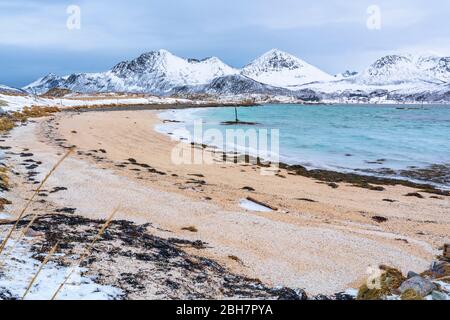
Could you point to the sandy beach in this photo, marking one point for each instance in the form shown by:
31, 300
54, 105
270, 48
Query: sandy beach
320, 238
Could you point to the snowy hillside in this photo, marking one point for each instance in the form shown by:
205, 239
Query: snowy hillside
155, 72
233, 84
400, 69
162, 71
280, 69
6, 89
44, 84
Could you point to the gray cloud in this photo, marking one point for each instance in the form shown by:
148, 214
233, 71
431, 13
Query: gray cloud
330, 34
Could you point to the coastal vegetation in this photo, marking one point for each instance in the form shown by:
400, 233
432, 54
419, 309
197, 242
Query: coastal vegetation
9, 120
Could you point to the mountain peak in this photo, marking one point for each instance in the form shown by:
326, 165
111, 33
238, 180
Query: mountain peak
282, 69
157, 53
406, 68
390, 60
277, 59
51, 75
275, 51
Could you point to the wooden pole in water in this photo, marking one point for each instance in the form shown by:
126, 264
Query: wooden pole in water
236, 114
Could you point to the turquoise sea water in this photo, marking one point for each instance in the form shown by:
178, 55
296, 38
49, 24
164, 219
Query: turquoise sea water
363, 138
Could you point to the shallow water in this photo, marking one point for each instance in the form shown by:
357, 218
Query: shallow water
383, 140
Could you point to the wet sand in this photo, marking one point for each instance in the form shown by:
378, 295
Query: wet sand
321, 238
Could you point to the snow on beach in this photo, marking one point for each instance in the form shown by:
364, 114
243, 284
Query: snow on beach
253, 206
20, 267
11, 103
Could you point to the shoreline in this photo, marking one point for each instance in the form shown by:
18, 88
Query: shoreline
322, 174
183, 200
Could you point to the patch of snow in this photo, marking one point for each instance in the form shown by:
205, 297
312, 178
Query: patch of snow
253, 206
18, 102
20, 267
351, 292
4, 216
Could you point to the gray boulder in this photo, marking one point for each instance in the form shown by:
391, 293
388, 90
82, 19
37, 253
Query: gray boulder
422, 286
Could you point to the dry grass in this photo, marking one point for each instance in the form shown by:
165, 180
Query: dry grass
6, 124
410, 294
22, 213
34, 112
4, 178
390, 281
365, 293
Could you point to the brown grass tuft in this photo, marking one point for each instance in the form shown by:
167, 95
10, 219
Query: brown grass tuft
364, 293
410, 294
34, 112
6, 124
390, 281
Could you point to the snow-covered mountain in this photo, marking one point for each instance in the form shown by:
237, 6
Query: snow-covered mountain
400, 69
393, 78
44, 84
235, 84
281, 69
163, 71
436, 67
155, 72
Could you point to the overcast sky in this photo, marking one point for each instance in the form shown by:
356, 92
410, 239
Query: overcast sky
331, 34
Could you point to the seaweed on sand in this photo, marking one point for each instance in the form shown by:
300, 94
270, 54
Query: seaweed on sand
368, 182
129, 257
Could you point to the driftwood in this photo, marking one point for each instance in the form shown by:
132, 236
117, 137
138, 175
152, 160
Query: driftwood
262, 203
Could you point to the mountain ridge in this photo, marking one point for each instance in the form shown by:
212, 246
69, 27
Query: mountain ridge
274, 73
